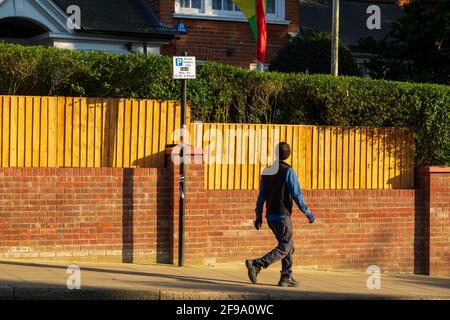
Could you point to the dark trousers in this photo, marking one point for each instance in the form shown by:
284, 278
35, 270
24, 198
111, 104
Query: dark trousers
284, 250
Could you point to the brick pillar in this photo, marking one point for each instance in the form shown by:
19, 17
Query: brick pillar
435, 184
195, 198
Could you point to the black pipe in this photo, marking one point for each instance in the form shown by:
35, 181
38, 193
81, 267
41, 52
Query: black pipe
182, 176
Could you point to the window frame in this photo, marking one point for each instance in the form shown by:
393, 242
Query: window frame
206, 11
190, 10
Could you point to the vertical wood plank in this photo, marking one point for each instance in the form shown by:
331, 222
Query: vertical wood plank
238, 157
345, 158
120, 133
392, 140
134, 128
369, 158
410, 160
43, 156
162, 133
91, 133
218, 156
113, 123
208, 154
171, 123
6, 129
98, 133
68, 134
250, 153
363, 170
351, 158
127, 134
308, 157
321, 162
76, 132
141, 135
386, 159
257, 157
84, 132
333, 173
36, 122
212, 157
155, 137
357, 163
53, 132
149, 133
315, 158
224, 158
339, 157
21, 133
106, 133
327, 158
376, 158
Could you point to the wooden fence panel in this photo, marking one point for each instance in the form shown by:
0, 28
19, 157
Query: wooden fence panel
92, 132
323, 157
85, 132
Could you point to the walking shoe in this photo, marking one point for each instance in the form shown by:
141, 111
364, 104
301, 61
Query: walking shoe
252, 270
288, 282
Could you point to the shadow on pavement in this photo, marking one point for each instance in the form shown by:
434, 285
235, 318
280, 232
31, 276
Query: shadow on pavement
184, 287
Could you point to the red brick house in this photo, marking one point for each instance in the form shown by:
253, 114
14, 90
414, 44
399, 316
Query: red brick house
218, 31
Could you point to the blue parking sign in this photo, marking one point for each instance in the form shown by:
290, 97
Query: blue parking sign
179, 62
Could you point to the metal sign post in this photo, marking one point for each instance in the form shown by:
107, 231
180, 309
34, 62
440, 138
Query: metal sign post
183, 68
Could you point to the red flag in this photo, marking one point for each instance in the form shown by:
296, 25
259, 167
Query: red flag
262, 31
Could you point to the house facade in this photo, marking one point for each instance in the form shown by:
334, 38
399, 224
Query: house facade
118, 26
217, 31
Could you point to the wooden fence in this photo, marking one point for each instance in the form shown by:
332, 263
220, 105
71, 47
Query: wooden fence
84, 132
323, 157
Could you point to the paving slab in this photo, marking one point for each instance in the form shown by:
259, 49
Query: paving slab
47, 280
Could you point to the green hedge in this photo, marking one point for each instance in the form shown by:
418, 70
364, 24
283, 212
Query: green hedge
227, 94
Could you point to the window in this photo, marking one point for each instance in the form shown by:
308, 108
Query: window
226, 9
192, 4
271, 7
224, 5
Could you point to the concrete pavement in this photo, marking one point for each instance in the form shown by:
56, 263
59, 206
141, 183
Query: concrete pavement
47, 280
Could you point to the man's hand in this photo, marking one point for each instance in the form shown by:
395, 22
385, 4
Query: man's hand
311, 217
258, 223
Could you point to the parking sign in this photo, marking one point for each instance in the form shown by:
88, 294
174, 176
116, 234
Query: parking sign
184, 68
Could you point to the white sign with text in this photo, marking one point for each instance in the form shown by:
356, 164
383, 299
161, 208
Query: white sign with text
184, 68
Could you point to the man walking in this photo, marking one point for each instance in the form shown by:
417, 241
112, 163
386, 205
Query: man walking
279, 191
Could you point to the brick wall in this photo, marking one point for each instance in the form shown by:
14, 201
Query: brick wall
222, 41
107, 214
435, 183
131, 215
354, 229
